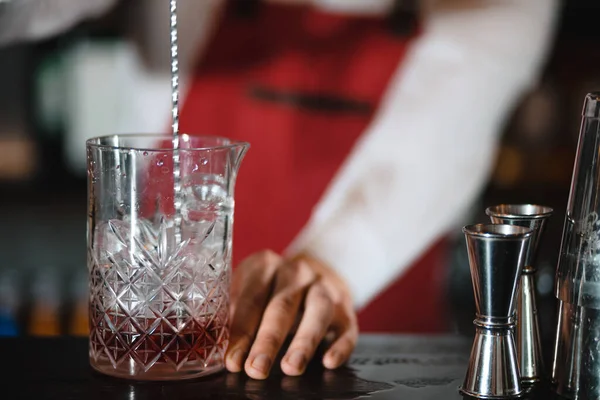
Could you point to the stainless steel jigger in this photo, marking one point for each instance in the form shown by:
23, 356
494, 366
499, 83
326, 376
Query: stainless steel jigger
496, 257
529, 346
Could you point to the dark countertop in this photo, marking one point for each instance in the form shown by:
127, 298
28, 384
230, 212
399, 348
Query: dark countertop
382, 367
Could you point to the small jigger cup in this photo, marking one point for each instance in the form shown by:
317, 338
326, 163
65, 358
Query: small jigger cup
496, 257
529, 346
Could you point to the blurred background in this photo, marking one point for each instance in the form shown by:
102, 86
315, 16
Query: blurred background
42, 175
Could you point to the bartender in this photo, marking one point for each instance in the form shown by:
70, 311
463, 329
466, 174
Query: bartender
373, 127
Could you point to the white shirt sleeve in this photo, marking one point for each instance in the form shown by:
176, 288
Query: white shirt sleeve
23, 20
430, 149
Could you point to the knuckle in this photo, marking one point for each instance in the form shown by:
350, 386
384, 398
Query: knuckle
267, 256
349, 327
321, 295
256, 301
243, 338
307, 341
286, 304
301, 271
350, 339
346, 312
270, 340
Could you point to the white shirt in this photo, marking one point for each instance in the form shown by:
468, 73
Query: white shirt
429, 151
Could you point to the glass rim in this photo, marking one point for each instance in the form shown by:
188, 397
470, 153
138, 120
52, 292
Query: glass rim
231, 143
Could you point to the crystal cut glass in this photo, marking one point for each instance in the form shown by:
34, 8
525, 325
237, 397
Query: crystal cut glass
159, 254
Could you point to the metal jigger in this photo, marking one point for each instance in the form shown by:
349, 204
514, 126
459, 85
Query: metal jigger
496, 257
529, 346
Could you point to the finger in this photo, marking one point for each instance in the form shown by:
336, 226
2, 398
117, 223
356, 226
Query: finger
291, 284
237, 283
259, 273
246, 268
318, 314
344, 341
237, 280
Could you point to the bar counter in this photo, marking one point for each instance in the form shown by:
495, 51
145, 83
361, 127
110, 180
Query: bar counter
382, 367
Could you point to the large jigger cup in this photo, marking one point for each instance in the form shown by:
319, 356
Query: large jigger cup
496, 258
529, 346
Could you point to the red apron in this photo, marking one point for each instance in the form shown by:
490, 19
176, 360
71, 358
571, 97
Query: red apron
301, 86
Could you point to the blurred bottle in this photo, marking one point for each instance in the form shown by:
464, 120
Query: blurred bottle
18, 150
9, 302
45, 316
531, 151
78, 319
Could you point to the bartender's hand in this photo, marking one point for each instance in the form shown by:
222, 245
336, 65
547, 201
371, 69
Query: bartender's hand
270, 297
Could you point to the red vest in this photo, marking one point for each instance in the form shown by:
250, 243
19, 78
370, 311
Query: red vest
301, 86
